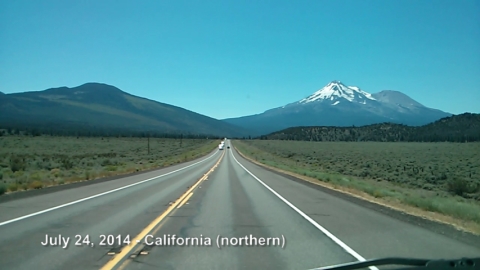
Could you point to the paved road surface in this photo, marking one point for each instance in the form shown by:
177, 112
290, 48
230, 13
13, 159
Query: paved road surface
222, 195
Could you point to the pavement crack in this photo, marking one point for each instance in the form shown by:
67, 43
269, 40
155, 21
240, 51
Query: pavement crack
251, 226
322, 215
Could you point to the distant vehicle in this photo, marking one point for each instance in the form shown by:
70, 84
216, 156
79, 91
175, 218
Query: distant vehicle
228, 147
220, 146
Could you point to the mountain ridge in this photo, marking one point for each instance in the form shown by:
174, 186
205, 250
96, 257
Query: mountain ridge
339, 105
387, 95
100, 106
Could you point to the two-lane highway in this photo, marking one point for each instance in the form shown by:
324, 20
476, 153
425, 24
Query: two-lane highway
118, 207
219, 212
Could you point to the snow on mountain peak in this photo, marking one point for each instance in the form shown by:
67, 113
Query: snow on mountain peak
336, 91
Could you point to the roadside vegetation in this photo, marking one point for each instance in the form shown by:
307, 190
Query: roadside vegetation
441, 178
33, 162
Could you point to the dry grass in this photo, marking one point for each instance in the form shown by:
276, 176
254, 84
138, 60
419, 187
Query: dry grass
37, 162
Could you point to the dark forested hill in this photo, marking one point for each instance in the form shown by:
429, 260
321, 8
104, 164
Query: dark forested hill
95, 107
458, 128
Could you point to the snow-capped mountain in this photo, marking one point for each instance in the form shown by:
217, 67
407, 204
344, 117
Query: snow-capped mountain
337, 104
336, 92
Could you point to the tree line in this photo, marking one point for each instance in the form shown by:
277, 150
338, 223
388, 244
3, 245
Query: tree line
457, 128
98, 132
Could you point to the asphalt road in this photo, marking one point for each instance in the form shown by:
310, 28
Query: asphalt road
221, 197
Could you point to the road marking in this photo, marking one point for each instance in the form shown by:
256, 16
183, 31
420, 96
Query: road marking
309, 219
186, 199
101, 194
137, 240
140, 247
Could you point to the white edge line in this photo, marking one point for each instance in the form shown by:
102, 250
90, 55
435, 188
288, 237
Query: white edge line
101, 194
313, 222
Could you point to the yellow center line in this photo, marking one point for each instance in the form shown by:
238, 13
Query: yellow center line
138, 239
140, 247
186, 200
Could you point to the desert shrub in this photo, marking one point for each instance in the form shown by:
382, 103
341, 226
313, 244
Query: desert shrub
67, 163
13, 187
460, 186
35, 176
56, 172
106, 162
111, 168
17, 164
36, 185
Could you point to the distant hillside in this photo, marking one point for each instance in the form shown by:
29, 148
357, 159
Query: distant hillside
94, 106
458, 128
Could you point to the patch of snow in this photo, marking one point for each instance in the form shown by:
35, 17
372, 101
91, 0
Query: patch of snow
336, 102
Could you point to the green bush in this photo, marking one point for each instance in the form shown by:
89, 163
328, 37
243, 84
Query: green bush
67, 163
459, 186
106, 162
111, 168
17, 164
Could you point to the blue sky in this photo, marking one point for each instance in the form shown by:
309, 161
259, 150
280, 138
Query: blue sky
234, 58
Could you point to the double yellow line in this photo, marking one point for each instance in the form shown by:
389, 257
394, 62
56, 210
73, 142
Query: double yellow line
177, 204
